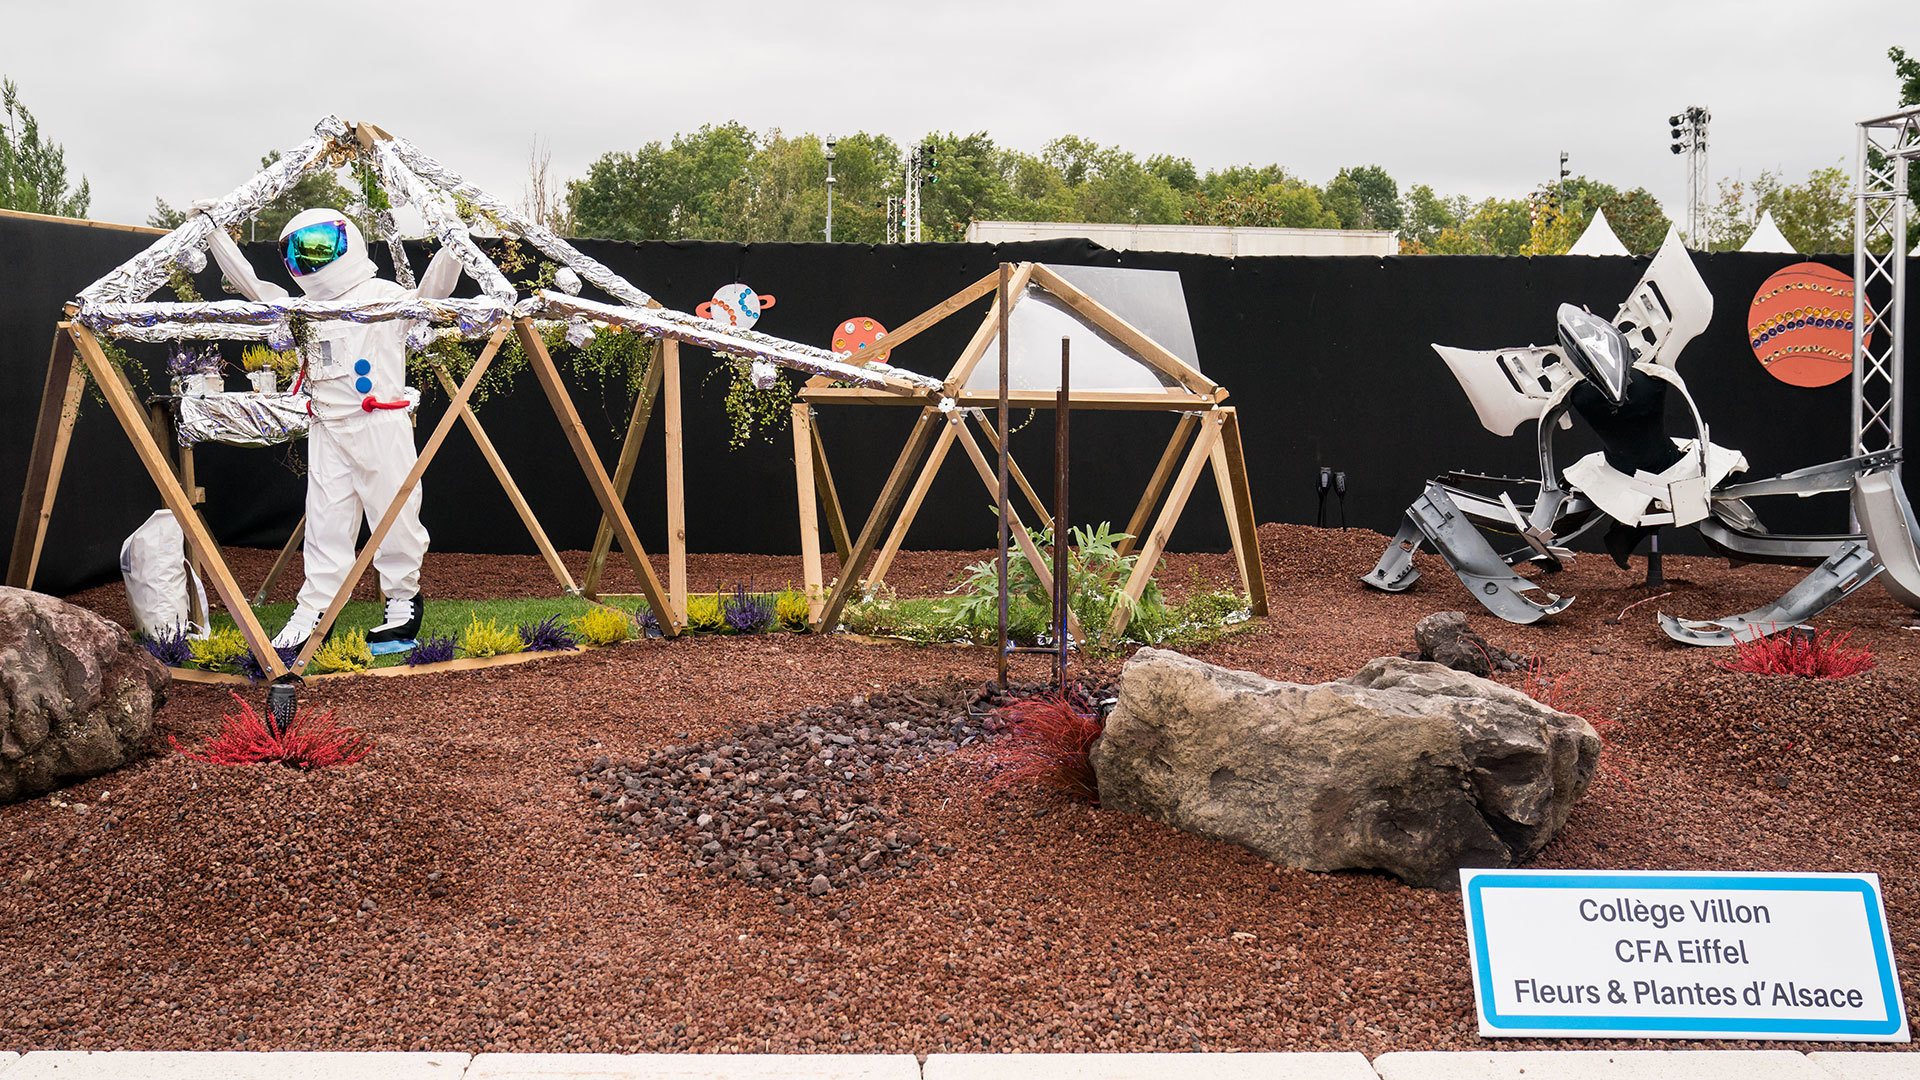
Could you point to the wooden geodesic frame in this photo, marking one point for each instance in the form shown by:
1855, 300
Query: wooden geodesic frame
1207, 436
118, 306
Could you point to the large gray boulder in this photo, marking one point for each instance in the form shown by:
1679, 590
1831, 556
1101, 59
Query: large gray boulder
1408, 767
77, 694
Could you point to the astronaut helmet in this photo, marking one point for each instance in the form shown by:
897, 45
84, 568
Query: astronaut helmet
323, 250
1596, 349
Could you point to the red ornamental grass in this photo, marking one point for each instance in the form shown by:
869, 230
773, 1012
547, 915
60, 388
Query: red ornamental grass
1822, 655
310, 741
1561, 692
1045, 746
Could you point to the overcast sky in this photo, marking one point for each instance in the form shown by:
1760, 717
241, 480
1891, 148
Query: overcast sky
180, 99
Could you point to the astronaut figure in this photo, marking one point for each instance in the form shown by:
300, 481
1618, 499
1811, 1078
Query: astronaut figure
360, 446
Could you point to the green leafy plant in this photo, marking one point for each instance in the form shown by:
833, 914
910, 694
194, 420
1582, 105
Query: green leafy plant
1096, 576
705, 613
603, 626
489, 638
219, 649
343, 652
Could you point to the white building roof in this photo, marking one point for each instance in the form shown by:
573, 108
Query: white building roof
1193, 239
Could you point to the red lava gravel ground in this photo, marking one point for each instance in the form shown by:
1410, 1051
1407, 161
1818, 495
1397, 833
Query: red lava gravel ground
460, 890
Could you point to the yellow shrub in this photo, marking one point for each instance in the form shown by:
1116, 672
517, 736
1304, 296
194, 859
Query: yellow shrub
489, 638
219, 649
705, 613
342, 652
603, 626
261, 358
791, 611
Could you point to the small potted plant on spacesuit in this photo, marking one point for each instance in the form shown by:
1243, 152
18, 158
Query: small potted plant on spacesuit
360, 445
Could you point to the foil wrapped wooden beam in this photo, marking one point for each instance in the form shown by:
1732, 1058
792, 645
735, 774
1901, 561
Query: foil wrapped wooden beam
243, 419
138, 277
727, 340
472, 316
443, 217
549, 244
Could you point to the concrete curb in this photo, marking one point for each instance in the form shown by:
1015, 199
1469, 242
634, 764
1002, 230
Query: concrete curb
1402, 1065
692, 1067
1597, 1064
1347, 1066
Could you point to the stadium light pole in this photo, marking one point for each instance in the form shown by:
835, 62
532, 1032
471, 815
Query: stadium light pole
830, 144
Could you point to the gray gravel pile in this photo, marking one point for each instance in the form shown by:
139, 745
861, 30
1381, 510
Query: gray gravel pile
791, 804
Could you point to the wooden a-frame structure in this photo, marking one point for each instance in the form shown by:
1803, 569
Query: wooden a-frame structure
118, 305
1207, 436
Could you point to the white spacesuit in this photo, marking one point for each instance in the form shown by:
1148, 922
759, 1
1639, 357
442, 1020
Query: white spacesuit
360, 446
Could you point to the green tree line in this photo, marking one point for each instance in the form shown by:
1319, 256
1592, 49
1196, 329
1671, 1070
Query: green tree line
729, 182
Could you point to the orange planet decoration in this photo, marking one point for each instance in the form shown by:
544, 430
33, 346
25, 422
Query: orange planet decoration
860, 336
1801, 325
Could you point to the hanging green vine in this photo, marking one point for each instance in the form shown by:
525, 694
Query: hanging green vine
753, 412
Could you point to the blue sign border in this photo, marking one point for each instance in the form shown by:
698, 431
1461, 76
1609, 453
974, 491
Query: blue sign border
1876, 925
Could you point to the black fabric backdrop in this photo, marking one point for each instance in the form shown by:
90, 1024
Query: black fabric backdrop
1327, 360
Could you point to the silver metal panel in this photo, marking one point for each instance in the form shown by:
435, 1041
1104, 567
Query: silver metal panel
1034, 331
1151, 301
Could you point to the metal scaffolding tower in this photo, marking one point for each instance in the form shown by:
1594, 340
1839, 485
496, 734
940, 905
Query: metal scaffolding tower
1690, 138
1882, 209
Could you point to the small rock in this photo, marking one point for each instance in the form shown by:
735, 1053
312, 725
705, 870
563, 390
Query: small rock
819, 885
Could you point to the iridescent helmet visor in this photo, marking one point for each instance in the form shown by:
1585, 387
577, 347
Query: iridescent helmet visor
308, 249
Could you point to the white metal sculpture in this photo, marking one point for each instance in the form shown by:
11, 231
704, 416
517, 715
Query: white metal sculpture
1616, 374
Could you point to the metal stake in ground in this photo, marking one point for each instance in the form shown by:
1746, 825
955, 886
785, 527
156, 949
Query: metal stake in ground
1003, 507
1062, 534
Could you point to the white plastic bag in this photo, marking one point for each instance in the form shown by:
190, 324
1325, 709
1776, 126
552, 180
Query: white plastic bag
153, 562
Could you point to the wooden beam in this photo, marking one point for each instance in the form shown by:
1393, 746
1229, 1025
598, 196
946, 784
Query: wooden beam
596, 473
200, 545
1223, 484
1042, 567
281, 562
60, 399
1242, 510
27, 215
884, 509
809, 501
669, 360
392, 513
1149, 350
940, 311
921, 484
514, 496
1013, 469
989, 330
1156, 542
1157, 483
829, 496
623, 472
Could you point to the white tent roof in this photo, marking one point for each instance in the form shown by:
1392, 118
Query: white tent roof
1767, 237
1599, 239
